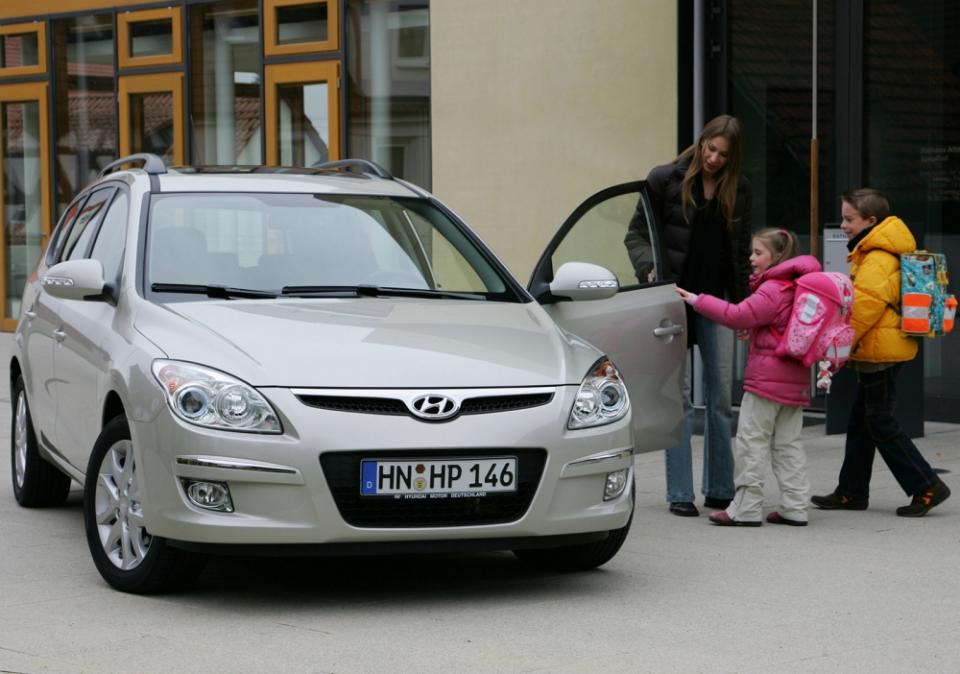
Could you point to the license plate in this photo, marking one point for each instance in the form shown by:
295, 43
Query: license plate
438, 478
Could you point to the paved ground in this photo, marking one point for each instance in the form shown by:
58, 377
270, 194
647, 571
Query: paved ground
853, 592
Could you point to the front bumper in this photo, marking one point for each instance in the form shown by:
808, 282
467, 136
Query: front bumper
282, 497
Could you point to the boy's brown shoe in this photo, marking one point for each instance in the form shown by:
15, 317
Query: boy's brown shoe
925, 500
837, 501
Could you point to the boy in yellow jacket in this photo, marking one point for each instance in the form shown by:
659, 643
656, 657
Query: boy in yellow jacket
880, 348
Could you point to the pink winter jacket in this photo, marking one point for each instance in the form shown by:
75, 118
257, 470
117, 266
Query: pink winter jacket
765, 313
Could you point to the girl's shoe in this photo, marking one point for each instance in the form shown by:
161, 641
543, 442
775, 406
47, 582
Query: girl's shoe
721, 518
777, 518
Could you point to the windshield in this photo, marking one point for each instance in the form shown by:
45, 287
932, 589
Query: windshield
303, 244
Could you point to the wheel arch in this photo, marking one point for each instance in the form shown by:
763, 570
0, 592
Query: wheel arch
112, 407
15, 371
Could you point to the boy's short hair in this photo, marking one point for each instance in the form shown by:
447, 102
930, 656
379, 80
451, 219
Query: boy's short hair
869, 203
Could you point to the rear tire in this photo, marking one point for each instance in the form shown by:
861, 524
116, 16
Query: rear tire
127, 556
582, 557
36, 482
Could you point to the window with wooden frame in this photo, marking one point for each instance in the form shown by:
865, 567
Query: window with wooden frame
24, 190
151, 115
300, 26
23, 49
151, 37
302, 121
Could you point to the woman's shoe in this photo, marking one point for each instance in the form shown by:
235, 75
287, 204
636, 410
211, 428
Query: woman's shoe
721, 518
684, 509
777, 518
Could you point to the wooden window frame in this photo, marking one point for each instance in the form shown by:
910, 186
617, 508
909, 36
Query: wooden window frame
152, 84
270, 44
126, 60
27, 93
301, 73
38, 27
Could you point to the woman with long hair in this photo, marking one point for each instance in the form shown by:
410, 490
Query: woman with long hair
702, 204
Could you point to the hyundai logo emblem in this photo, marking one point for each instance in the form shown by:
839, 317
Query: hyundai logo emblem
434, 407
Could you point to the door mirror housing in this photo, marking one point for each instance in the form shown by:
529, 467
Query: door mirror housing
75, 280
584, 281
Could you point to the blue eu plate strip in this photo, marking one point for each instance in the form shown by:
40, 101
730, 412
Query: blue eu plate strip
368, 477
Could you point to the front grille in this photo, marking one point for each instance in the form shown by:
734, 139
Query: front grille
342, 472
506, 403
351, 404
394, 406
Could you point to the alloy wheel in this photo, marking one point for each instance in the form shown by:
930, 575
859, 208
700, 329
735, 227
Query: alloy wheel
20, 440
119, 514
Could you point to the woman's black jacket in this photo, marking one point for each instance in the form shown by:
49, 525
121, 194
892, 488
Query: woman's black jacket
674, 229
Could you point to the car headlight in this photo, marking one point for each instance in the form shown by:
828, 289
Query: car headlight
602, 398
207, 397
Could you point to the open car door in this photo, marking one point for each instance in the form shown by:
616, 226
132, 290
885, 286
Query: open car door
642, 328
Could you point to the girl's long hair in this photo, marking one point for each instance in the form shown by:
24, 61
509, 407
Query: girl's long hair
726, 190
782, 243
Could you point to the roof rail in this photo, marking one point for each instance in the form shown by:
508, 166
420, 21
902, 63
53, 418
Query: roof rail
357, 166
151, 163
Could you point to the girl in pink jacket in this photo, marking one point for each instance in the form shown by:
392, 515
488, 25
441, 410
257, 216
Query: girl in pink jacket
776, 388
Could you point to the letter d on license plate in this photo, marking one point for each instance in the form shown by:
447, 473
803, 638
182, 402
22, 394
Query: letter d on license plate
453, 477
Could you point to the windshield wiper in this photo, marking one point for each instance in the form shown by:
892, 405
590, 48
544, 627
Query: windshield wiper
320, 291
214, 291
374, 291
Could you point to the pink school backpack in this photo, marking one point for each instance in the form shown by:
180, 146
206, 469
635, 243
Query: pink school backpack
819, 327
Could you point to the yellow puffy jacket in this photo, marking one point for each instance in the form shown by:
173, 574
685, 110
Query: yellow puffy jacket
875, 272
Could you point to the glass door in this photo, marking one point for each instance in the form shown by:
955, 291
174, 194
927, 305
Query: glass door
25, 193
151, 115
303, 113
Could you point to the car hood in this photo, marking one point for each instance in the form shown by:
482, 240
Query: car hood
370, 342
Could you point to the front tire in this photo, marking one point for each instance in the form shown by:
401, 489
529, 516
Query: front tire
127, 556
36, 483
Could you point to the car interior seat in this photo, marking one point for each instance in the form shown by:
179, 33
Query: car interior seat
178, 255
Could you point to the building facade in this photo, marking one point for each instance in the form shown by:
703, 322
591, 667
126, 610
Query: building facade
511, 112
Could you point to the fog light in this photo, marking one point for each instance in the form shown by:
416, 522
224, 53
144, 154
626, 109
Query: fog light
210, 495
616, 483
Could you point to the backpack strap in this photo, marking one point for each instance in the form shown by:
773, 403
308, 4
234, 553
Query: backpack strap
784, 284
895, 307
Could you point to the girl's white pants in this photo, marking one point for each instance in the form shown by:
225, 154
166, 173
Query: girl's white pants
766, 428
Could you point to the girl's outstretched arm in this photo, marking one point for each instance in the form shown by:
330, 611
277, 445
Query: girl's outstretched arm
686, 295
758, 309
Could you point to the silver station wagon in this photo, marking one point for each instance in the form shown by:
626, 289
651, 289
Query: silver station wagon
328, 361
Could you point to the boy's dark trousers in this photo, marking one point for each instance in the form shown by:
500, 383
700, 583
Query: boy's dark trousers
872, 426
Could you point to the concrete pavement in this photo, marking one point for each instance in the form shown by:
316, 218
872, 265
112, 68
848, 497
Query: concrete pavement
853, 592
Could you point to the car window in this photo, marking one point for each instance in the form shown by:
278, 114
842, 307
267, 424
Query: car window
272, 241
62, 232
617, 233
81, 234
108, 247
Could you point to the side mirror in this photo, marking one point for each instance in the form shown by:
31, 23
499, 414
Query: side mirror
584, 281
75, 280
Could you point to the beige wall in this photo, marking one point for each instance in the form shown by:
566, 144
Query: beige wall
537, 104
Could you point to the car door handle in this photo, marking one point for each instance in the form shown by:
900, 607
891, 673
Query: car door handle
59, 335
668, 330
30, 313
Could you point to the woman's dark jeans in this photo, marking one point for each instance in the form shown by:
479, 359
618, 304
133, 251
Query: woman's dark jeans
872, 426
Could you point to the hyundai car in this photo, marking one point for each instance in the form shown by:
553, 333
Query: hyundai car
327, 360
